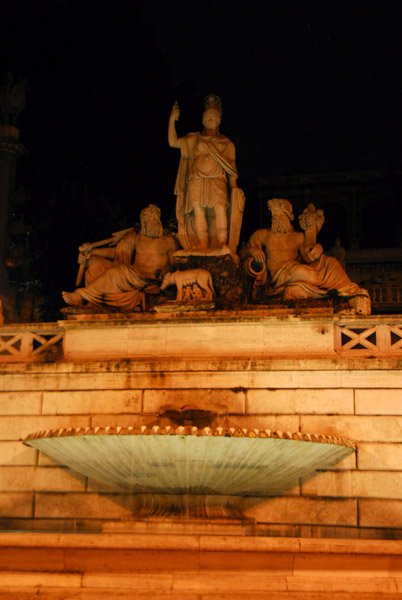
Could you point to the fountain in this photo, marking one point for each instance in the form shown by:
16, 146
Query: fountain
188, 466
185, 472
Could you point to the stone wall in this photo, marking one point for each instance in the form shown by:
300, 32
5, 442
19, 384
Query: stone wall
46, 566
358, 398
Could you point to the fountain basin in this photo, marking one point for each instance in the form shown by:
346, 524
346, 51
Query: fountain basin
193, 461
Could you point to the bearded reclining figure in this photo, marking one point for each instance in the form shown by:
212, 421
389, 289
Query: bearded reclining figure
297, 265
132, 266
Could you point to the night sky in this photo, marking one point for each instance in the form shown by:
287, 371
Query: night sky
306, 87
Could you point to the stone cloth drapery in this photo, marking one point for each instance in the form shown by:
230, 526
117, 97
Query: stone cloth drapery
323, 275
298, 280
205, 164
117, 282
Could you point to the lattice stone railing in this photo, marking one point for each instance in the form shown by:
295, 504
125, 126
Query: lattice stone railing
371, 338
36, 343
364, 336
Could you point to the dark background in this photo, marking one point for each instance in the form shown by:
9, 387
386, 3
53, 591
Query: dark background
306, 87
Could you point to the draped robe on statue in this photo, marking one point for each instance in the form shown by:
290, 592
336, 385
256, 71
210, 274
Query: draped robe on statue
297, 280
205, 164
118, 282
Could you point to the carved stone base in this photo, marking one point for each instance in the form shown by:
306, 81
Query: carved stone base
328, 305
228, 278
183, 255
165, 526
97, 313
186, 514
179, 307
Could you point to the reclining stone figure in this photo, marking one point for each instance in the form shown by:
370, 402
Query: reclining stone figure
132, 266
296, 264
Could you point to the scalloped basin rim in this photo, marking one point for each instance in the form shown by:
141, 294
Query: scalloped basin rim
188, 430
192, 461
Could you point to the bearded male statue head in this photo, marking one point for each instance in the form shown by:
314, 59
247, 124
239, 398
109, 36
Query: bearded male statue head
151, 225
282, 215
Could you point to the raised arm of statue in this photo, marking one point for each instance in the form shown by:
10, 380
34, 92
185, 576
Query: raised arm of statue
311, 221
172, 135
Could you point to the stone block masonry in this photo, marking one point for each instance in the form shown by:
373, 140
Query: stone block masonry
354, 396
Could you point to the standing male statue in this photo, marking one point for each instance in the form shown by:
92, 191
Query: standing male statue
296, 264
206, 218
132, 265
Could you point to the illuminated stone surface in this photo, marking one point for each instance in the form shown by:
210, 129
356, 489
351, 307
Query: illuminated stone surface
289, 373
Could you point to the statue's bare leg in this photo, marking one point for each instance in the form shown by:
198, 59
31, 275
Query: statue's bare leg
201, 226
72, 298
221, 224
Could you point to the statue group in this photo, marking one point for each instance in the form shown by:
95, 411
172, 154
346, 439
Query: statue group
132, 269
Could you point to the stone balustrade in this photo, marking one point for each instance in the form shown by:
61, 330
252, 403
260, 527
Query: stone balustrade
29, 342
243, 334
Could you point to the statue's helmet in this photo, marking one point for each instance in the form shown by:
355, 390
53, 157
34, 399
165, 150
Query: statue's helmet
213, 101
213, 106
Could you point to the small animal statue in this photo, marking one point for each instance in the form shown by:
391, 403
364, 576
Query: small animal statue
181, 279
